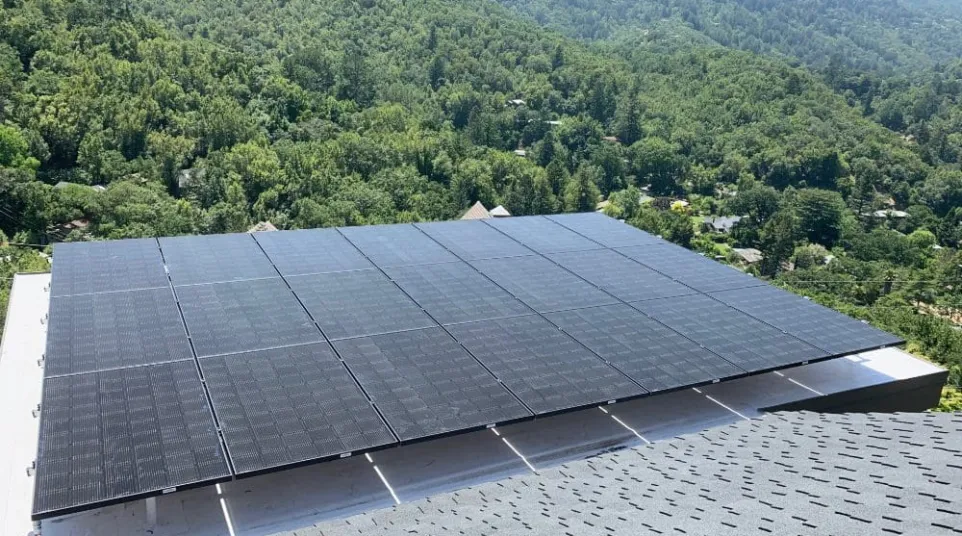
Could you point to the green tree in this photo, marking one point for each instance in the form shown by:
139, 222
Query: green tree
656, 162
581, 193
820, 215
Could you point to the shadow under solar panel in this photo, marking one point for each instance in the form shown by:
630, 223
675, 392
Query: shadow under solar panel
311, 251
425, 384
87, 267
290, 405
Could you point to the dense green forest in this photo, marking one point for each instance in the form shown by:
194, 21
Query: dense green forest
121, 119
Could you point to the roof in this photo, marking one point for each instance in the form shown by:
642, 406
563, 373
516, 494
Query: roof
749, 255
798, 473
261, 227
722, 224
500, 212
476, 212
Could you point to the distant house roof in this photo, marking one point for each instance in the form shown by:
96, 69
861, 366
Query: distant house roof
476, 212
881, 214
610, 139
783, 473
186, 176
553, 123
261, 227
721, 224
64, 184
516, 102
500, 212
898, 214
520, 152
749, 255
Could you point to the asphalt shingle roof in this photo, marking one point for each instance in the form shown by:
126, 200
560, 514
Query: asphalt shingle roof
786, 473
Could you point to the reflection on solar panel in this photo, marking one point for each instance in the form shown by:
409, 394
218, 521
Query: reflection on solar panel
819, 326
122, 433
473, 240
362, 302
690, 268
85, 267
542, 234
606, 231
216, 258
287, 405
455, 292
397, 245
93, 332
541, 284
311, 251
425, 384
548, 370
620, 276
744, 341
224, 318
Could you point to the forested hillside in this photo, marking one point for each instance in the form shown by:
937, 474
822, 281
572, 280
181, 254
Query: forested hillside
164, 117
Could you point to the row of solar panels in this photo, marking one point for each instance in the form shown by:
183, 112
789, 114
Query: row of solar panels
319, 343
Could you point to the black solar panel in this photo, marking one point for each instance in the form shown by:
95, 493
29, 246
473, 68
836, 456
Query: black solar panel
311, 251
397, 245
215, 258
541, 284
456, 292
650, 353
93, 332
548, 370
542, 234
819, 326
288, 405
225, 318
473, 240
744, 341
620, 276
122, 433
690, 268
606, 231
85, 267
425, 384
361, 302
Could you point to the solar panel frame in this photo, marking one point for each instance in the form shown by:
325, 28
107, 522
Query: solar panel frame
116, 435
193, 260
689, 268
357, 303
289, 406
311, 251
239, 316
620, 276
426, 385
396, 245
91, 332
606, 231
473, 240
541, 234
109, 266
547, 369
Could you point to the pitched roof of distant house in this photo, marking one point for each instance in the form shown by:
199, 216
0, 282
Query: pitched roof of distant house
500, 212
264, 226
722, 224
476, 212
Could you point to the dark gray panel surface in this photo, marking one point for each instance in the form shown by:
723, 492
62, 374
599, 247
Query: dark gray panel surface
744, 341
473, 240
214, 258
819, 326
648, 352
620, 276
84, 267
548, 370
396, 245
311, 251
93, 332
541, 284
361, 302
542, 234
124, 432
455, 292
608, 232
288, 405
690, 268
225, 318
425, 384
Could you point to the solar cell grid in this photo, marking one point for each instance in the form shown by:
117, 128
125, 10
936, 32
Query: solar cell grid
455, 292
396, 245
86, 267
541, 284
541, 234
742, 340
311, 251
225, 318
362, 302
124, 432
93, 332
619, 276
425, 384
288, 405
690, 268
214, 258
548, 370
819, 326
473, 240
608, 232
648, 352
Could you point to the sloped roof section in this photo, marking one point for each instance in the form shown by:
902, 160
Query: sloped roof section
476, 212
786, 473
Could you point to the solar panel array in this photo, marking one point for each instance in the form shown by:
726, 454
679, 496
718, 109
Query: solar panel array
185, 361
